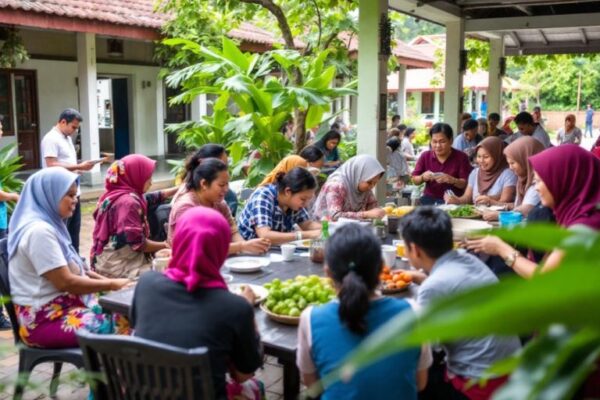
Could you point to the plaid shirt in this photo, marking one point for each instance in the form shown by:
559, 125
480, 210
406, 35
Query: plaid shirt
263, 209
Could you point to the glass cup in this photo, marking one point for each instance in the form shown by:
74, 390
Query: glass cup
399, 247
287, 251
389, 255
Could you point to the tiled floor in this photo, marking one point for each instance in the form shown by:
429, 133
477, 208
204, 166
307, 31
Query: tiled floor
271, 375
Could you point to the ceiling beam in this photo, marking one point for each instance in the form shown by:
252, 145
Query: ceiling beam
572, 47
515, 38
544, 38
509, 3
436, 11
533, 22
524, 9
584, 38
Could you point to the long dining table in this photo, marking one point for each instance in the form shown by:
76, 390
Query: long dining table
279, 340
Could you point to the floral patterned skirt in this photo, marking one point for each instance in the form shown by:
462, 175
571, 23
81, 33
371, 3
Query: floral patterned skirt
54, 325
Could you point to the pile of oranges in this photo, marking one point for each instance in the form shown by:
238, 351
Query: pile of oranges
392, 281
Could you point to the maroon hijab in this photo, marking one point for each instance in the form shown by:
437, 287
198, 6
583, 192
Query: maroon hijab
200, 247
125, 177
572, 176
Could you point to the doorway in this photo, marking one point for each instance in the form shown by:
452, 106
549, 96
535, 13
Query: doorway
114, 120
19, 107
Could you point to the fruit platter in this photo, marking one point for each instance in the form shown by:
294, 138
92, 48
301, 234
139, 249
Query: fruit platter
394, 281
288, 298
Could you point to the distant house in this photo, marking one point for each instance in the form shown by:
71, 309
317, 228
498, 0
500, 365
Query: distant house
96, 56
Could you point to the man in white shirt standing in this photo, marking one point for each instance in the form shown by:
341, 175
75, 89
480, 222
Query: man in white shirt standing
58, 151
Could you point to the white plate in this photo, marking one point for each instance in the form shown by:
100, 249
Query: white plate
260, 292
302, 244
246, 264
462, 227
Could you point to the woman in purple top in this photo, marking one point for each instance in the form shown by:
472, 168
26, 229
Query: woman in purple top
442, 168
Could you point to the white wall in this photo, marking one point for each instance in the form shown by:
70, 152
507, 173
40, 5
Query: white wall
57, 90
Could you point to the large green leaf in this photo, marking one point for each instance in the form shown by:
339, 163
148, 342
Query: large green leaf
314, 116
323, 81
233, 54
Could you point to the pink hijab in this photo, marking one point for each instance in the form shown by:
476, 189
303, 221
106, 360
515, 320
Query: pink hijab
200, 247
572, 176
125, 177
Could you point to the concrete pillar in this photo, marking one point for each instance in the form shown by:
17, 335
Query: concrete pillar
478, 98
453, 97
198, 107
436, 105
418, 102
494, 93
401, 91
372, 85
87, 81
346, 113
161, 136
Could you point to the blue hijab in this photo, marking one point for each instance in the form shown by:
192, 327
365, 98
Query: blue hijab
39, 201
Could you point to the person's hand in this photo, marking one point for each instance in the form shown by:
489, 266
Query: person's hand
427, 176
311, 234
120, 283
444, 178
483, 200
249, 295
490, 245
86, 165
450, 199
375, 213
490, 215
256, 246
13, 197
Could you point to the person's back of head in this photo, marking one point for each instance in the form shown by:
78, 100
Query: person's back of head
395, 132
465, 116
353, 259
393, 143
207, 151
494, 117
470, 124
430, 229
524, 118
296, 180
206, 171
312, 153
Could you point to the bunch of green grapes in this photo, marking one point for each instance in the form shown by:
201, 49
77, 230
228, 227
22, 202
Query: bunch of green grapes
291, 296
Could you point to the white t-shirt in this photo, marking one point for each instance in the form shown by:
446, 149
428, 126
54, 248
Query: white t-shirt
407, 148
532, 197
55, 144
507, 178
38, 252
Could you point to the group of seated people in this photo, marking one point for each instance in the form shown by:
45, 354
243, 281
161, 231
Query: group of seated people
55, 291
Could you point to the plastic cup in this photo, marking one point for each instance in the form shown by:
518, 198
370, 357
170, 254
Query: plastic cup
160, 263
287, 251
509, 218
399, 247
389, 255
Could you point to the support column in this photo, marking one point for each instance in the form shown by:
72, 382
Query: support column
87, 81
453, 97
401, 91
494, 93
372, 85
346, 112
161, 136
436, 106
198, 107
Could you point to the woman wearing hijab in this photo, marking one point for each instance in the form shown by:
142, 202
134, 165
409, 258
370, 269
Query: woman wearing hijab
348, 191
517, 155
192, 289
566, 179
285, 166
49, 281
328, 145
121, 245
492, 183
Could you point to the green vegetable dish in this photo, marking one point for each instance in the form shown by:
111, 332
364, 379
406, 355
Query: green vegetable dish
463, 212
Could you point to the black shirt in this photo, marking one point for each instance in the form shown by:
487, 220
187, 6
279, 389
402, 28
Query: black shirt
164, 311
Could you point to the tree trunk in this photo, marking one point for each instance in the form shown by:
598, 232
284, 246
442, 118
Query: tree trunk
299, 130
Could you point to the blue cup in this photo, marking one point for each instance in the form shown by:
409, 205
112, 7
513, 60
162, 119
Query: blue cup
510, 218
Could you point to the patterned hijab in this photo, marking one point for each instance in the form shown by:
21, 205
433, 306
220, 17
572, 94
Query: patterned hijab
39, 201
572, 175
486, 179
200, 247
285, 166
520, 150
358, 169
125, 177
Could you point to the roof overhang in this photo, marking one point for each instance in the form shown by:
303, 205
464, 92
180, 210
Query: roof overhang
45, 21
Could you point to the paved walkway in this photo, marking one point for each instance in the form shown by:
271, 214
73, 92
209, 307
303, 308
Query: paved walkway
271, 374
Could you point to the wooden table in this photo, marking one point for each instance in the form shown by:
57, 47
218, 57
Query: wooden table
278, 340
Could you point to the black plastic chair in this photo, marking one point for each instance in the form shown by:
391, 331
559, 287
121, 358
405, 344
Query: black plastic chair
127, 367
30, 357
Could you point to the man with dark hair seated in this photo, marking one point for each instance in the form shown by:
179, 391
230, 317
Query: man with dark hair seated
528, 127
427, 234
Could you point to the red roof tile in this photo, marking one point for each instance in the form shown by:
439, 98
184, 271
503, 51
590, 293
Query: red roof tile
252, 33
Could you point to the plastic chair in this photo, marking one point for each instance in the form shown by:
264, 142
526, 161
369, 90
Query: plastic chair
136, 368
30, 357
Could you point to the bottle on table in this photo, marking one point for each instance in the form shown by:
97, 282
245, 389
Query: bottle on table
317, 246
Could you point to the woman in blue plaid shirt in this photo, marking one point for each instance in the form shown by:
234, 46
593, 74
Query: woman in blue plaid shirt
273, 210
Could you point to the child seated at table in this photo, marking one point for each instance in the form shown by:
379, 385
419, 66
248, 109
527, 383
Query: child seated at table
328, 333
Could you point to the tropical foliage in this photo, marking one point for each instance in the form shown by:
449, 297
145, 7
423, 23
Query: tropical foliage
251, 103
9, 165
558, 307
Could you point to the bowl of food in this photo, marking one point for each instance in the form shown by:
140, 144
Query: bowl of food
463, 228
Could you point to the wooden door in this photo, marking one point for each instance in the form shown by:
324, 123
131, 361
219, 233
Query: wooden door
26, 118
